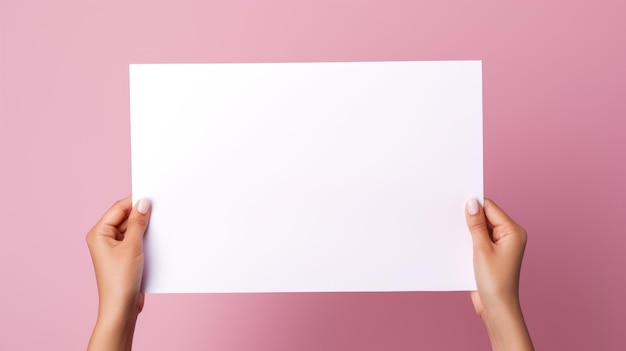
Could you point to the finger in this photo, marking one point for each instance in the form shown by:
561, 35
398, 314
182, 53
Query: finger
496, 216
123, 226
115, 215
138, 220
503, 225
477, 223
106, 231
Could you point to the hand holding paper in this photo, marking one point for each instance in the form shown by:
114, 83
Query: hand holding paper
116, 248
499, 245
498, 250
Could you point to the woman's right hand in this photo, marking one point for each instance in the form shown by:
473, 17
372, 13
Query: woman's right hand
498, 245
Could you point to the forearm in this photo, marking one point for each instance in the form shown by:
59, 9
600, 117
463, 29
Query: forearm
113, 331
506, 327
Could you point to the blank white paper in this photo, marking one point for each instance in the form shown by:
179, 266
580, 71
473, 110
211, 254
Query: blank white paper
307, 177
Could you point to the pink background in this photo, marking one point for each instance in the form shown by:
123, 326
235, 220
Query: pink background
555, 135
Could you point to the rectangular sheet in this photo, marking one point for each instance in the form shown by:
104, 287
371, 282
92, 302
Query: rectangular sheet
288, 177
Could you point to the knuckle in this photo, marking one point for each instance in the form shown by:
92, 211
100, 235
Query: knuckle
107, 231
477, 225
522, 234
91, 236
121, 204
137, 221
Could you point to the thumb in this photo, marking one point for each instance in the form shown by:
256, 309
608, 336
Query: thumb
477, 223
138, 220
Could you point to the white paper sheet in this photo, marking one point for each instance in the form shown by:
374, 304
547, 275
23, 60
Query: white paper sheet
287, 177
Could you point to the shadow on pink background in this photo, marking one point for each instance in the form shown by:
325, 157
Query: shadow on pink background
555, 135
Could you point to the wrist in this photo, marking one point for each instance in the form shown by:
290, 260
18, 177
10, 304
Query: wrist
116, 318
117, 310
114, 328
506, 326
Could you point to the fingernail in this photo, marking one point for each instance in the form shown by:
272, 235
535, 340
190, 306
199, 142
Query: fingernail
472, 206
143, 206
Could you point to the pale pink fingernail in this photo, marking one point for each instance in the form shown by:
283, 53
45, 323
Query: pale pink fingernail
143, 206
472, 206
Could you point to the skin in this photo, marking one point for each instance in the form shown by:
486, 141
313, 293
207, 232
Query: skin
498, 245
116, 247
